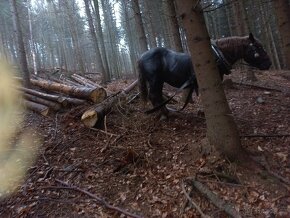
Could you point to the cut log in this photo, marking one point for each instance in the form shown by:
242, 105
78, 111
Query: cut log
94, 116
70, 82
75, 101
62, 100
53, 105
84, 81
66, 82
38, 108
93, 94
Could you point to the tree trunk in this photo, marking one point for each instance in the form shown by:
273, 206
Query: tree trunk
139, 27
101, 39
20, 43
222, 131
130, 35
174, 26
282, 9
240, 18
95, 95
99, 61
74, 35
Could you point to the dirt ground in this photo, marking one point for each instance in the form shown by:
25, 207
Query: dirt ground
141, 164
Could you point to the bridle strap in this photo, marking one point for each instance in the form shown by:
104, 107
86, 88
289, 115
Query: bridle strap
219, 55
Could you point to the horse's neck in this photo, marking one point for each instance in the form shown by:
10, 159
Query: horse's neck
231, 51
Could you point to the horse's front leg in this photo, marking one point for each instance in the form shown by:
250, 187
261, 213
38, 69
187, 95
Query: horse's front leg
156, 98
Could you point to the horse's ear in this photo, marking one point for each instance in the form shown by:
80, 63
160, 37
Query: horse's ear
251, 37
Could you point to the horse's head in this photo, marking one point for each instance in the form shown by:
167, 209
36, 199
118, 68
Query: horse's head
255, 55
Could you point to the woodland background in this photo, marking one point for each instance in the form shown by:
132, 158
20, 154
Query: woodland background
105, 36
138, 163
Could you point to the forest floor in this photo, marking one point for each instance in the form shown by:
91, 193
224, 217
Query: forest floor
140, 164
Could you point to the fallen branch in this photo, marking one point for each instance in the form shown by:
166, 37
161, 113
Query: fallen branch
66, 81
100, 200
94, 116
258, 86
265, 136
218, 202
85, 81
267, 167
192, 202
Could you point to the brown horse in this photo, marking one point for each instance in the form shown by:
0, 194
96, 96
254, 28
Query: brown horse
160, 65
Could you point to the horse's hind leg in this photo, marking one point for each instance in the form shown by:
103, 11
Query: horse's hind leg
156, 98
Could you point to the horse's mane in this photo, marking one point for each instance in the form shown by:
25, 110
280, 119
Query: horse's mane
232, 47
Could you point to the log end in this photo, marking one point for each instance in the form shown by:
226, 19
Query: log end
38, 108
45, 112
63, 101
98, 95
90, 118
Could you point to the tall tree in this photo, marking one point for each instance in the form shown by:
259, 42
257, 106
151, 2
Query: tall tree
112, 35
217, 111
129, 35
20, 43
139, 26
240, 18
173, 22
101, 69
101, 36
74, 34
282, 9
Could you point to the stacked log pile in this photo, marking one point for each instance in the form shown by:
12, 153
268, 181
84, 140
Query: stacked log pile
48, 96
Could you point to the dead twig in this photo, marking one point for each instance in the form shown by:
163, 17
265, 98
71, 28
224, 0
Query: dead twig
218, 202
266, 165
48, 172
133, 98
280, 197
192, 202
223, 183
265, 136
105, 124
258, 86
105, 132
100, 200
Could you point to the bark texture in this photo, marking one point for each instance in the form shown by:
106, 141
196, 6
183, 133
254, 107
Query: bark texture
20, 43
36, 107
139, 26
221, 129
282, 9
95, 95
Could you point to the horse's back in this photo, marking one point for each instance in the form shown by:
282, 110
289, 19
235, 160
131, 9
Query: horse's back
166, 65
152, 60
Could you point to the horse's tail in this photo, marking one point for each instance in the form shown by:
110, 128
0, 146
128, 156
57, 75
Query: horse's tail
142, 81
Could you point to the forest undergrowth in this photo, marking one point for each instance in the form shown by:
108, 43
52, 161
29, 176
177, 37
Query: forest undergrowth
139, 164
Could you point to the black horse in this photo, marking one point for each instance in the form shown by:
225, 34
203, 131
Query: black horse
160, 65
